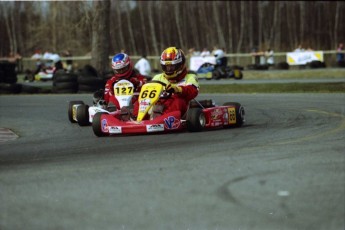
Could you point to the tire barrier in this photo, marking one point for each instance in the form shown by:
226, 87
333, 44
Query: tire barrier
64, 82
8, 72
341, 64
106, 76
89, 80
89, 84
13, 88
282, 65
258, 67
316, 64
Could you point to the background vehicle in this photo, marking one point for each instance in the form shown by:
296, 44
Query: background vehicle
210, 71
44, 71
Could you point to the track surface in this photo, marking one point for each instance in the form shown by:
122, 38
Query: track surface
284, 169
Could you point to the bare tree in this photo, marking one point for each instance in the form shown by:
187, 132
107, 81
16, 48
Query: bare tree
7, 11
336, 23
100, 36
143, 25
152, 28
178, 22
131, 40
233, 25
242, 27
218, 25
302, 20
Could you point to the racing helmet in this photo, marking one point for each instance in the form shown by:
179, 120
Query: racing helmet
122, 65
218, 54
173, 62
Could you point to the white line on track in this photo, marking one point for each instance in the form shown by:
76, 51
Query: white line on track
7, 135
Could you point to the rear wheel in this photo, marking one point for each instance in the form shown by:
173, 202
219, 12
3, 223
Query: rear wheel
237, 116
72, 112
83, 115
216, 74
97, 125
195, 120
238, 74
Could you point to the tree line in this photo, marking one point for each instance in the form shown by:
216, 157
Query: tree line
147, 27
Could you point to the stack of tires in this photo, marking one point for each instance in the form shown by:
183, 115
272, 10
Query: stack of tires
64, 82
89, 80
8, 78
283, 66
106, 76
316, 64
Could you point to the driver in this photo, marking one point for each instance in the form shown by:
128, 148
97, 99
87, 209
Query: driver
184, 85
123, 69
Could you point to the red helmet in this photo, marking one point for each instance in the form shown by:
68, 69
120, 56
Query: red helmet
173, 63
122, 65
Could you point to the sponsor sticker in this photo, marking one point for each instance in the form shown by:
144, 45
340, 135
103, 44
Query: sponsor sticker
232, 115
171, 122
115, 129
104, 125
144, 104
216, 114
155, 128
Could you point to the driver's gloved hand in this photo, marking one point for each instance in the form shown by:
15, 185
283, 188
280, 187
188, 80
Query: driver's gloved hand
171, 88
98, 95
135, 82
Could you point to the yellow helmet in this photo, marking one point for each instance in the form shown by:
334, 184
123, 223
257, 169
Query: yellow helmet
173, 62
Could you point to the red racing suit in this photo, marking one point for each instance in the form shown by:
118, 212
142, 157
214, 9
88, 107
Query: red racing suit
180, 101
137, 79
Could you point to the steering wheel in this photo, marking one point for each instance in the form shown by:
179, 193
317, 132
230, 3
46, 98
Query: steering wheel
165, 94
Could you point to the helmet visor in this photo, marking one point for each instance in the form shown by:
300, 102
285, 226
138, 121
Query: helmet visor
170, 69
123, 70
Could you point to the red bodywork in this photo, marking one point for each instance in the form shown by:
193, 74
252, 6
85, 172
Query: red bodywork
216, 117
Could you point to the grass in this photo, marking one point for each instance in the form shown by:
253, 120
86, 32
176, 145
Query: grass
275, 88
330, 73
294, 73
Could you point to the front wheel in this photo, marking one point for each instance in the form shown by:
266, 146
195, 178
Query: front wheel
97, 125
195, 120
83, 115
237, 117
216, 74
72, 110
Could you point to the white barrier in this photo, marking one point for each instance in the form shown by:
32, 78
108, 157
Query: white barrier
302, 58
196, 62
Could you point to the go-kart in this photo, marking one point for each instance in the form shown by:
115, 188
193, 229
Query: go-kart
44, 72
210, 71
200, 115
83, 114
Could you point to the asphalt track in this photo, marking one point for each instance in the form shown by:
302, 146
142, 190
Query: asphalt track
284, 169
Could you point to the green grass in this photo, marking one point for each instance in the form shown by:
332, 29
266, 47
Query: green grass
330, 73
275, 88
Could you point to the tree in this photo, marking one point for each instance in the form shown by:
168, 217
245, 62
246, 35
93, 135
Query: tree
100, 36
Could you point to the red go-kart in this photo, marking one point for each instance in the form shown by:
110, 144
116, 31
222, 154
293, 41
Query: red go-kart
201, 115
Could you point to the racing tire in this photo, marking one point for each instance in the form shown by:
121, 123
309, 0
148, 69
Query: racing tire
239, 112
70, 109
195, 120
238, 75
216, 74
97, 125
6, 88
89, 84
61, 76
66, 85
83, 115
